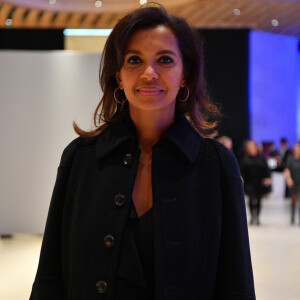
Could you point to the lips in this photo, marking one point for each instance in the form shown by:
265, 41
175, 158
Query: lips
150, 91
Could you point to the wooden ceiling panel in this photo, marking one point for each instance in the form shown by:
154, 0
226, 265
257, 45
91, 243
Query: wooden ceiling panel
287, 19
89, 20
62, 19
74, 20
256, 14
88, 6
104, 20
4, 13
245, 11
186, 10
18, 16
31, 19
46, 19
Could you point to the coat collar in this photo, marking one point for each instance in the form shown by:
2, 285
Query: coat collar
181, 134
184, 137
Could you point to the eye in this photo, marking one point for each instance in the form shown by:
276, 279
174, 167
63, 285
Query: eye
166, 59
134, 59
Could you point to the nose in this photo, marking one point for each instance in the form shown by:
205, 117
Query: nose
149, 73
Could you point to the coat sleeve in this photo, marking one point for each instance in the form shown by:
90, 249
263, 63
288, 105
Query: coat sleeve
243, 168
48, 284
235, 277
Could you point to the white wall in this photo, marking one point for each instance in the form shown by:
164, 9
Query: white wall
41, 93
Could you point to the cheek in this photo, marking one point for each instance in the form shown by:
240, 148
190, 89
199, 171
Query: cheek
126, 80
175, 81
176, 76
129, 87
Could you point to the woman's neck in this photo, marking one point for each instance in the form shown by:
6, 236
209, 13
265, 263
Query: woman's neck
150, 126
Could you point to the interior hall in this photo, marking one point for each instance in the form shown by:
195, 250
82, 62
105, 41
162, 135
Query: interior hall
50, 52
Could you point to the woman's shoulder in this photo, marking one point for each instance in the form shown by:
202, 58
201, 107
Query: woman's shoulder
221, 151
225, 156
261, 156
76, 145
292, 161
79, 143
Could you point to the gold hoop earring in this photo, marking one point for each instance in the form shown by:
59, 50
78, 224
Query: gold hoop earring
187, 96
116, 99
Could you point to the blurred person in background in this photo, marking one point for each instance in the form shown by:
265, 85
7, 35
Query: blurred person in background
292, 175
284, 152
256, 175
226, 141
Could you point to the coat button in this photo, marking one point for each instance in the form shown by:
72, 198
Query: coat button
119, 200
101, 286
109, 241
127, 160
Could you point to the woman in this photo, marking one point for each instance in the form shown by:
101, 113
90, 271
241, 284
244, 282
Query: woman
146, 207
226, 141
256, 175
292, 175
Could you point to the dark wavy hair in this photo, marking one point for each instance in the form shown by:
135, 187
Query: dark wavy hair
199, 109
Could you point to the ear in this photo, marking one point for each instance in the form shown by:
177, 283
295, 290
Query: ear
182, 83
119, 81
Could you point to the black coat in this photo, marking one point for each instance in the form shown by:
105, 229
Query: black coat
201, 237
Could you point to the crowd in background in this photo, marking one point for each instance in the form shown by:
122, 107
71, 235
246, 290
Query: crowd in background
257, 164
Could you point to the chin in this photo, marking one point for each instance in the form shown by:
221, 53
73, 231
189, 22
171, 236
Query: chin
156, 108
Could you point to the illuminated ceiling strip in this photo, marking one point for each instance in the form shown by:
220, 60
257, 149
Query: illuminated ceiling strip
87, 32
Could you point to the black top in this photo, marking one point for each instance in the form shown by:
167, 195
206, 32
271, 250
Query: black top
142, 229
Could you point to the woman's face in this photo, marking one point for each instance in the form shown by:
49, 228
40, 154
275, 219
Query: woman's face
296, 151
152, 72
251, 148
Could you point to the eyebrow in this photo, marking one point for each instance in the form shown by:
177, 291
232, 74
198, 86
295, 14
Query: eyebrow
158, 53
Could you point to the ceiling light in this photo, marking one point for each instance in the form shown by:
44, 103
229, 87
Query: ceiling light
8, 22
275, 22
143, 2
98, 3
87, 32
236, 12
52, 2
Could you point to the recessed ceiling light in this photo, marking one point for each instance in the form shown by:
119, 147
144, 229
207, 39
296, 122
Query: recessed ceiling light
236, 12
8, 22
52, 2
98, 3
275, 22
143, 2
